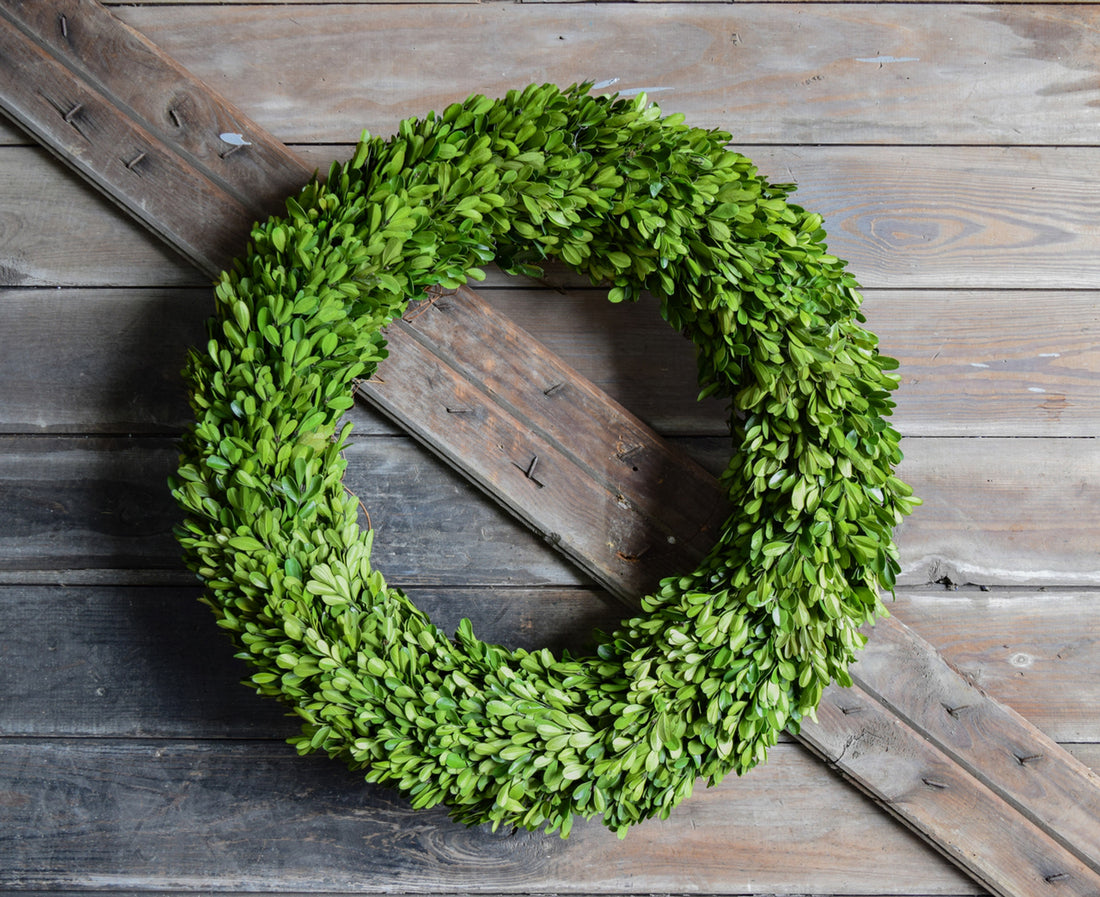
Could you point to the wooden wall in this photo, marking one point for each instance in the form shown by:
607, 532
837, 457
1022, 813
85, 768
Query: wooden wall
955, 152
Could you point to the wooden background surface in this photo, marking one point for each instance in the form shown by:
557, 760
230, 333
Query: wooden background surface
954, 152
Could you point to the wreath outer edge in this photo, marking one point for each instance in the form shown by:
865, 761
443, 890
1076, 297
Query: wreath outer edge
720, 659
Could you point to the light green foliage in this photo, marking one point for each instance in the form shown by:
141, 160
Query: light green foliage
720, 660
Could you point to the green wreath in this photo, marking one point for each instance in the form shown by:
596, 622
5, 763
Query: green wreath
720, 659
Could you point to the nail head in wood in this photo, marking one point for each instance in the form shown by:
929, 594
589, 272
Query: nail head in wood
933, 783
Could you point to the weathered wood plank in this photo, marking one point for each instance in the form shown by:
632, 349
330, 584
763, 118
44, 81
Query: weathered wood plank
1001, 511
786, 73
929, 823
85, 128
106, 360
87, 503
928, 217
1008, 643
63, 233
924, 786
165, 100
1006, 753
647, 510
130, 661
997, 511
210, 816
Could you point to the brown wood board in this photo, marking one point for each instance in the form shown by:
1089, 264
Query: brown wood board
118, 661
217, 816
926, 219
106, 359
88, 507
107, 169
801, 73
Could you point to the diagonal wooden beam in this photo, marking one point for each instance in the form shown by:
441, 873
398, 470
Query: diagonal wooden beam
986, 788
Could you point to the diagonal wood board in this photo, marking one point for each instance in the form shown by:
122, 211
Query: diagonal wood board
986, 788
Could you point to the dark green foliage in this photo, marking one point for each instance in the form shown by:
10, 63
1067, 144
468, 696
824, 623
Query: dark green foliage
720, 660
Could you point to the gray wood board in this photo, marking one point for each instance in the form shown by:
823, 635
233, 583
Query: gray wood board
928, 217
117, 661
252, 816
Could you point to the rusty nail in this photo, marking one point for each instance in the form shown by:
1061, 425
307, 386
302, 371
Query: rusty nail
229, 152
932, 783
174, 116
850, 711
1057, 876
553, 389
64, 25
456, 410
72, 113
134, 161
1030, 758
956, 712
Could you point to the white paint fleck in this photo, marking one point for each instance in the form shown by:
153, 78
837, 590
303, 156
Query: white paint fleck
602, 84
1050, 354
978, 364
886, 60
1035, 389
234, 139
1021, 660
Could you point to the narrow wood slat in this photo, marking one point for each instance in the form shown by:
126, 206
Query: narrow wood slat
107, 360
895, 213
119, 661
93, 505
932, 817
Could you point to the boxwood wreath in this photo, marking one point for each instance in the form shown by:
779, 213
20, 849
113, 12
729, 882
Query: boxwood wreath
720, 659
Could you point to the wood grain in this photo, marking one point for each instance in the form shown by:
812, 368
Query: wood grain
915, 217
117, 661
1002, 750
972, 363
252, 816
1008, 512
772, 73
165, 99
1008, 642
924, 786
106, 147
